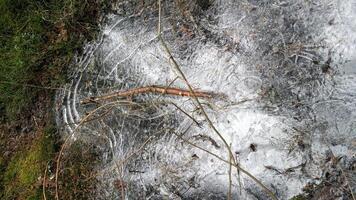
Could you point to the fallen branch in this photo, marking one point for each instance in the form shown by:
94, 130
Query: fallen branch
149, 89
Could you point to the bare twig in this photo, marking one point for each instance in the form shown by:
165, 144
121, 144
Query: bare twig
229, 195
31, 85
239, 178
149, 89
192, 118
125, 160
44, 182
136, 152
64, 145
232, 164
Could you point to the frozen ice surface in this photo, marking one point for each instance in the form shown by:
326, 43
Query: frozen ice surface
285, 71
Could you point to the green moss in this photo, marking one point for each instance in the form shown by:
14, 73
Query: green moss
37, 40
20, 38
22, 177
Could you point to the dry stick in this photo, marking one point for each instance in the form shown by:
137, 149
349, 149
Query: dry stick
67, 140
229, 195
180, 109
169, 85
148, 89
177, 68
239, 178
192, 93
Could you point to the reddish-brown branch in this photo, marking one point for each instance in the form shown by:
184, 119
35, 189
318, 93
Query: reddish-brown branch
149, 89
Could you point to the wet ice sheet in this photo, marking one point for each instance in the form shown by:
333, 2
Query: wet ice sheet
286, 73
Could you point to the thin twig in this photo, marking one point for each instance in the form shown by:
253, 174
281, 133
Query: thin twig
121, 163
141, 148
44, 182
239, 178
177, 68
194, 95
31, 85
192, 118
229, 195
232, 164
64, 145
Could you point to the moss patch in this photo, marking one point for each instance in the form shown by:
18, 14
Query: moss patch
22, 176
37, 41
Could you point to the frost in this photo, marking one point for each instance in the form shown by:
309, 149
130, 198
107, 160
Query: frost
285, 73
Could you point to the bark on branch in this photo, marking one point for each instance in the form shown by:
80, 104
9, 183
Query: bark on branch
149, 89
